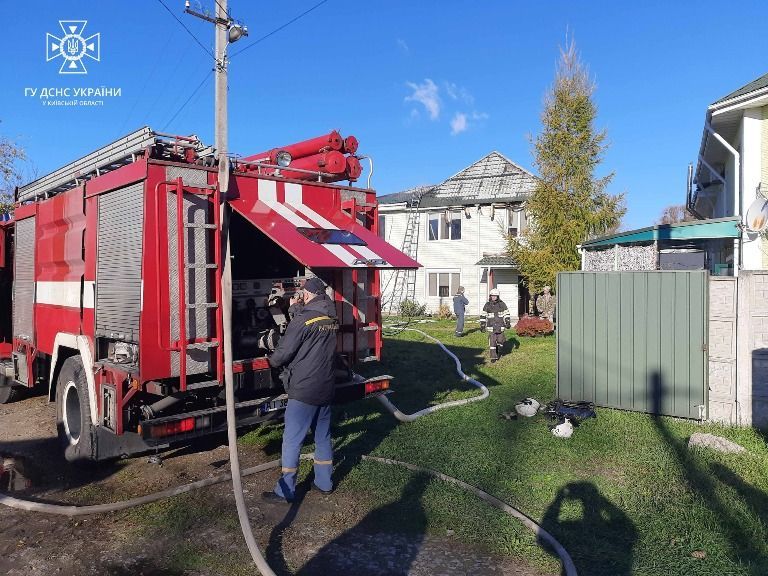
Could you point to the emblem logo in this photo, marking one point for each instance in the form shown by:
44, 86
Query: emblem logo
73, 47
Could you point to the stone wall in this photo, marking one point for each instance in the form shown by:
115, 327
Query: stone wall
622, 258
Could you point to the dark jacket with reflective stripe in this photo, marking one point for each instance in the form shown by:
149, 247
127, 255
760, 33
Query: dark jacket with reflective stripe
496, 314
307, 349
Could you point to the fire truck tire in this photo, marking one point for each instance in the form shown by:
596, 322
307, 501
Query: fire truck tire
10, 394
73, 416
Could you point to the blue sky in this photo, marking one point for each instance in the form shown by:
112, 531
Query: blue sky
428, 87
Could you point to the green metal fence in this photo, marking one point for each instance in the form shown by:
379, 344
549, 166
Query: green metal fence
634, 340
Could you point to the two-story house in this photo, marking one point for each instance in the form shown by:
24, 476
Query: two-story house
460, 235
732, 168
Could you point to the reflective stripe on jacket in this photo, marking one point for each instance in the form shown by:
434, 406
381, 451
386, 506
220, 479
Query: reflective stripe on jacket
495, 315
308, 349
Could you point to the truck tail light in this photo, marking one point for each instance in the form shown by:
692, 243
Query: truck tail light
376, 386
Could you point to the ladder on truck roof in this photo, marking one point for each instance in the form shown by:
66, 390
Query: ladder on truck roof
110, 157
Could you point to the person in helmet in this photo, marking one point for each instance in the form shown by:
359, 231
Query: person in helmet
494, 318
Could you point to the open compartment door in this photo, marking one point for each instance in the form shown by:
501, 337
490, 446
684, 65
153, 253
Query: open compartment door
317, 236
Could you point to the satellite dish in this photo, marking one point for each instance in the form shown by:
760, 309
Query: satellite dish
757, 215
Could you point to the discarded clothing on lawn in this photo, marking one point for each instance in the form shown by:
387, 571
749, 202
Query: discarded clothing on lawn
576, 412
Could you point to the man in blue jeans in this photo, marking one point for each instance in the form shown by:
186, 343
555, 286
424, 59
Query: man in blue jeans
307, 351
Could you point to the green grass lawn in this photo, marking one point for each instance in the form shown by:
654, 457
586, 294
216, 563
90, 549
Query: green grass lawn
624, 495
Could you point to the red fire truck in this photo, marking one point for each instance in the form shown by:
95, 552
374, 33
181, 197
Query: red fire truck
111, 285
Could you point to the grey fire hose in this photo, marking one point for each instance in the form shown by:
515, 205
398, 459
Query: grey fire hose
236, 476
411, 417
568, 565
73, 511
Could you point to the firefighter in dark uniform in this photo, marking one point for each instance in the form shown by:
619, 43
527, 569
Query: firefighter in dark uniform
495, 319
307, 351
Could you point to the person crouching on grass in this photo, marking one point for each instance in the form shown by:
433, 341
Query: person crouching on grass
307, 351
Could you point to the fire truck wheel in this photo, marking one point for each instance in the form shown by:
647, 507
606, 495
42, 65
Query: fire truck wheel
73, 416
9, 394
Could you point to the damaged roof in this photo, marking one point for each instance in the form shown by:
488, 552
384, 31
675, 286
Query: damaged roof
493, 178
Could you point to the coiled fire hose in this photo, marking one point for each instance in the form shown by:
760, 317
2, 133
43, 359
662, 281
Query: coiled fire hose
72, 511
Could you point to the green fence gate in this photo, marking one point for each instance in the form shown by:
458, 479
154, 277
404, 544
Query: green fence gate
634, 340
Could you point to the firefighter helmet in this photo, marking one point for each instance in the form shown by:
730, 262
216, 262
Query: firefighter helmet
494, 292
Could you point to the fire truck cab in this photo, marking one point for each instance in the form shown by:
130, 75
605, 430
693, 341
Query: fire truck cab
110, 283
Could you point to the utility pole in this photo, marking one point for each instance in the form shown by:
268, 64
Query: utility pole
227, 32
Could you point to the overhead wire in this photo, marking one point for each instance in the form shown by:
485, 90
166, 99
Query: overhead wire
279, 28
189, 98
195, 38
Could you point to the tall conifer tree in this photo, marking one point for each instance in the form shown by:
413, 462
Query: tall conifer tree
569, 204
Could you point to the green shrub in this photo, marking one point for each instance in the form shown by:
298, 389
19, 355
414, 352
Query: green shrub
410, 309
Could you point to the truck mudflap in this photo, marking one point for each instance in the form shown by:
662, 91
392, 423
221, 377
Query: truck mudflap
159, 432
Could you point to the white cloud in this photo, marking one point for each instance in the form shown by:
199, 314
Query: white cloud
427, 95
403, 45
459, 123
456, 92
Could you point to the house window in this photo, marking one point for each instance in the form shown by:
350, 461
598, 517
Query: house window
382, 227
515, 220
443, 283
445, 226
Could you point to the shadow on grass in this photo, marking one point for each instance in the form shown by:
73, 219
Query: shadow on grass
422, 371
745, 548
356, 551
598, 534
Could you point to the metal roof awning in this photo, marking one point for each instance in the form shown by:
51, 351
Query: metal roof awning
317, 240
695, 230
496, 261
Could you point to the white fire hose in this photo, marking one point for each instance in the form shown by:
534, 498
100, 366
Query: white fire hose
72, 510
411, 417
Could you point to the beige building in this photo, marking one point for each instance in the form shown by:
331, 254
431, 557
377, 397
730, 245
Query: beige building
732, 169
457, 231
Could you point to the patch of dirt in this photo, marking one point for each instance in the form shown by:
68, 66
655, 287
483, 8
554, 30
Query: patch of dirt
198, 534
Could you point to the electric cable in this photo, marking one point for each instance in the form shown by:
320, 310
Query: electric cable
276, 30
195, 38
195, 91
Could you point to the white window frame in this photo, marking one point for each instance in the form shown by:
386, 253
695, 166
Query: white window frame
455, 215
451, 289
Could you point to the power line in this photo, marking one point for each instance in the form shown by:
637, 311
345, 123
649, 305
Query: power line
192, 95
187, 29
276, 30
222, 7
258, 40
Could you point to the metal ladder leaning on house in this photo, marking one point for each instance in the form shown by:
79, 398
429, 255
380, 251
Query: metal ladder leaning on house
405, 280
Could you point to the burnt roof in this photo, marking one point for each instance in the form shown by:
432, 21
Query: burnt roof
493, 178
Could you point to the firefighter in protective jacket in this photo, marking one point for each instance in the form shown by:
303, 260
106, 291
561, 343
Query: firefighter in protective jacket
495, 319
307, 351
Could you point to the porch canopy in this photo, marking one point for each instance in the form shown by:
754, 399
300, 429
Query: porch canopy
694, 230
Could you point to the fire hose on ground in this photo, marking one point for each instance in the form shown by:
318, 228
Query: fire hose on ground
72, 510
